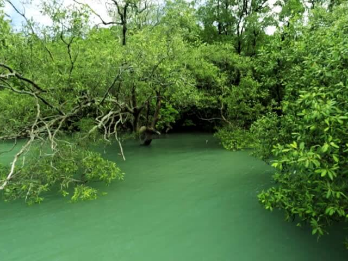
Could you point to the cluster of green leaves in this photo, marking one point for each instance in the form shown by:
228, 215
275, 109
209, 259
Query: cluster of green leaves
16, 114
168, 116
310, 149
235, 138
241, 23
268, 131
70, 171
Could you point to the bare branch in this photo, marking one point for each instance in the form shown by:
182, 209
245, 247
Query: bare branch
96, 14
31, 92
15, 74
25, 147
118, 76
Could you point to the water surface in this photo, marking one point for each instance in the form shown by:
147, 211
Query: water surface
184, 198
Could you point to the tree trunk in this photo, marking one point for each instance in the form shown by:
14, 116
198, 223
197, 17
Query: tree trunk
124, 34
136, 117
136, 111
146, 133
157, 110
219, 18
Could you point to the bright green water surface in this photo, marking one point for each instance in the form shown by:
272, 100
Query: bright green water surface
183, 199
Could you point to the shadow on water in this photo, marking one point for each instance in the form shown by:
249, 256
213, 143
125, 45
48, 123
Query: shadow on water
184, 198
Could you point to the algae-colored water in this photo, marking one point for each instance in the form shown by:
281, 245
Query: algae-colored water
183, 199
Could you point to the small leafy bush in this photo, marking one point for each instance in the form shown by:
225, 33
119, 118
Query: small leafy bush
234, 138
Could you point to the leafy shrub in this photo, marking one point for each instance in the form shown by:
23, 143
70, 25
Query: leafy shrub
234, 138
311, 170
312, 165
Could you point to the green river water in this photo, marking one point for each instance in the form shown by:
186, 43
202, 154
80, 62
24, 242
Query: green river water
184, 198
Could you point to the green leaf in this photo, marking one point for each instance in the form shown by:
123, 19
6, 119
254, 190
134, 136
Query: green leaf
334, 145
325, 147
294, 145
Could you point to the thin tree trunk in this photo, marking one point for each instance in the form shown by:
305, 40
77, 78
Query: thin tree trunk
136, 117
124, 34
157, 110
